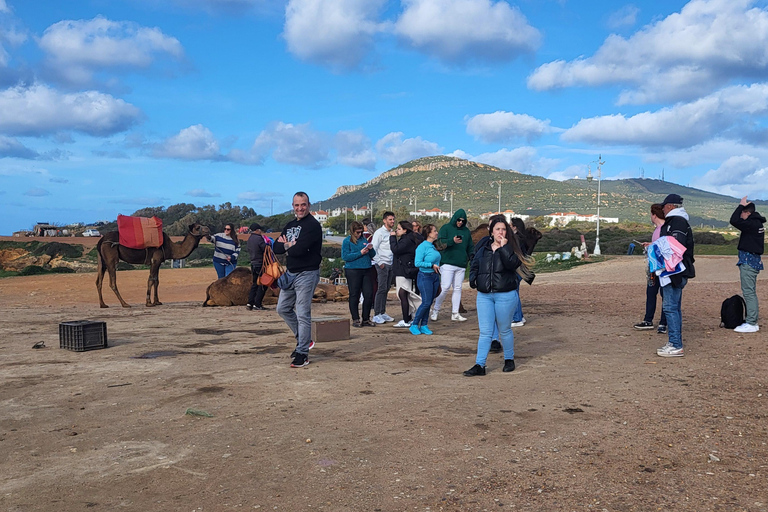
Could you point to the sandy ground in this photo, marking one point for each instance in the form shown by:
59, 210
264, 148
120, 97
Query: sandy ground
592, 419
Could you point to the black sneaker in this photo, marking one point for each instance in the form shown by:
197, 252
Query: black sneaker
644, 326
475, 370
296, 350
259, 308
662, 329
248, 307
356, 323
495, 346
509, 365
300, 361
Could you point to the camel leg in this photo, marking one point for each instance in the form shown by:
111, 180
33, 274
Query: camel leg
153, 281
113, 285
100, 281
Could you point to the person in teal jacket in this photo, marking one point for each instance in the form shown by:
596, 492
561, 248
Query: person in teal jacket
428, 261
357, 254
456, 240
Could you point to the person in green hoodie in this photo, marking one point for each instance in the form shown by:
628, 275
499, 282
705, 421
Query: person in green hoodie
456, 241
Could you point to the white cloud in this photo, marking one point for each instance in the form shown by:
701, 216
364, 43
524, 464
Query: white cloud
78, 48
687, 54
726, 113
624, 17
12, 148
199, 192
569, 173
396, 151
459, 31
334, 33
194, 143
293, 144
738, 176
37, 192
40, 110
523, 159
4, 7
503, 126
354, 149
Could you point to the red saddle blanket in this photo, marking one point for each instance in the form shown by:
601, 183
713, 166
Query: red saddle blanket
140, 232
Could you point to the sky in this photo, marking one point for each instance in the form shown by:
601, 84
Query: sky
108, 106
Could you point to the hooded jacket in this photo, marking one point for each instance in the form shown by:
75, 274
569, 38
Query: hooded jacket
493, 272
676, 225
455, 254
752, 237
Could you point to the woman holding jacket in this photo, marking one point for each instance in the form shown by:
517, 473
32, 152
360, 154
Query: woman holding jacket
403, 245
357, 254
494, 273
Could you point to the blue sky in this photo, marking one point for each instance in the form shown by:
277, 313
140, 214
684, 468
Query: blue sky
107, 106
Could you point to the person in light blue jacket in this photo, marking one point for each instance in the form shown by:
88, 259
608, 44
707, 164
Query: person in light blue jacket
428, 261
357, 254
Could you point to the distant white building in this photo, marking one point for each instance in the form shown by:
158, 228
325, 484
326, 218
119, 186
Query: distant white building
320, 215
563, 219
508, 214
434, 212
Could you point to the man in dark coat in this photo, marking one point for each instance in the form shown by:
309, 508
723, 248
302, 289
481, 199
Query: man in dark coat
751, 243
256, 245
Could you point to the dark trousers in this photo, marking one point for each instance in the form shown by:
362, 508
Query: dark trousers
651, 291
359, 279
256, 295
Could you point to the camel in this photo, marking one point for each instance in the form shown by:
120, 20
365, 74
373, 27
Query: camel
110, 252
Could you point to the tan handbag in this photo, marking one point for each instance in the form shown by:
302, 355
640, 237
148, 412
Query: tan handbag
271, 269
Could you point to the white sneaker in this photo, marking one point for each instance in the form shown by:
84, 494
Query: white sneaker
387, 318
669, 351
402, 323
456, 317
745, 327
518, 324
433, 315
378, 319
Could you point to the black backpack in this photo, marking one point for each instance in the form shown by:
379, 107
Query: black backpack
732, 312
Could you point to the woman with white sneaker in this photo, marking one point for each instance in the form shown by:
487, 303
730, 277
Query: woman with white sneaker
494, 273
403, 245
455, 241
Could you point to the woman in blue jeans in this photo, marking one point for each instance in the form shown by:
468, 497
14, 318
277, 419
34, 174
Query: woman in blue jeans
494, 273
428, 261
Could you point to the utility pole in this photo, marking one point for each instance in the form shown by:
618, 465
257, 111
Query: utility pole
499, 184
599, 163
445, 198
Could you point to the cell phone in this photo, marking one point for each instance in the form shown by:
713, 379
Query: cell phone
459, 237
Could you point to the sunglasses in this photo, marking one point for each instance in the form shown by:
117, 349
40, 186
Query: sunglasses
227, 229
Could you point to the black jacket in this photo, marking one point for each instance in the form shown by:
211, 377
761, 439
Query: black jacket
752, 237
306, 254
493, 272
256, 246
403, 253
678, 227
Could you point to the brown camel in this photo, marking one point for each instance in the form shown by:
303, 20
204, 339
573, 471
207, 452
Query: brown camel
110, 252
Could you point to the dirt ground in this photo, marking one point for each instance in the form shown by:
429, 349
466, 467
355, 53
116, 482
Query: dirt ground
591, 419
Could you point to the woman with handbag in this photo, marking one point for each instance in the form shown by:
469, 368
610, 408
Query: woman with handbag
357, 253
403, 244
493, 273
427, 259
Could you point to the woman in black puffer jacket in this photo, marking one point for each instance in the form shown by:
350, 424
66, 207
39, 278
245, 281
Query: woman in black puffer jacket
403, 244
494, 273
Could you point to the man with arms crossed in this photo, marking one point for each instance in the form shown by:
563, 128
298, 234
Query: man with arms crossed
383, 264
301, 240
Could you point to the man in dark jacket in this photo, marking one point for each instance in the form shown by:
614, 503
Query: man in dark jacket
457, 247
676, 225
751, 243
302, 241
256, 245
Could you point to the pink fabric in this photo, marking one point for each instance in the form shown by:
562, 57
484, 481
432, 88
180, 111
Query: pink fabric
671, 250
656, 233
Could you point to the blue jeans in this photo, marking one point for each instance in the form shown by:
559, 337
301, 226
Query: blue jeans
494, 311
428, 286
223, 269
295, 307
671, 304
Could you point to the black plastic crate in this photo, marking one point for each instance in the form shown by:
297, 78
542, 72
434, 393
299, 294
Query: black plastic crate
82, 335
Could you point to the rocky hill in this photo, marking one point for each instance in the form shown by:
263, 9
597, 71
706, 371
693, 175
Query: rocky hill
428, 183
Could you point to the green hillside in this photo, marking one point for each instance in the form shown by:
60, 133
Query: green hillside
474, 185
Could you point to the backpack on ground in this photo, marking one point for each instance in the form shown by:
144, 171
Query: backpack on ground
732, 312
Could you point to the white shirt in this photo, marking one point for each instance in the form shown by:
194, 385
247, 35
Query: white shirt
380, 243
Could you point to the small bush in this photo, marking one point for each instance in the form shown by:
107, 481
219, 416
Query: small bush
54, 249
